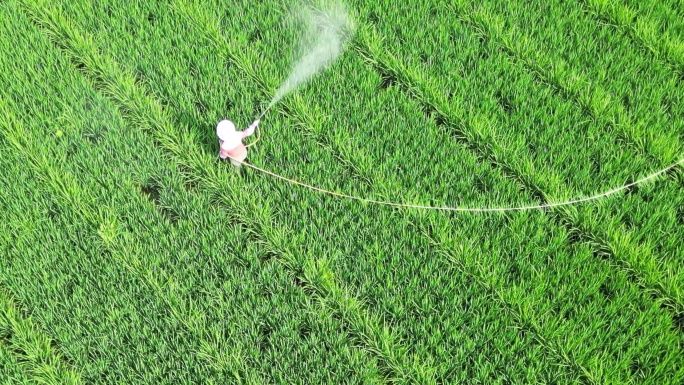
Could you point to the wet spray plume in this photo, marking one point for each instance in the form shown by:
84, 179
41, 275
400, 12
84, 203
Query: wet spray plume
327, 28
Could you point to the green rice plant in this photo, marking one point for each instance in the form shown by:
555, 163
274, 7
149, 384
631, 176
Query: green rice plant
227, 277
26, 354
650, 274
267, 231
656, 26
126, 253
602, 106
213, 39
617, 117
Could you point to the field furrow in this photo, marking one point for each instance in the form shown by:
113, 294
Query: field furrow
222, 338
532, 319
11, 372
144, 109
651, 33
601, 105
601, 230
609, 110
629, 112
381, 350
302, 115
26, 354
137, 256
669, 15
647, 142
118, 246
299, 112
524, 320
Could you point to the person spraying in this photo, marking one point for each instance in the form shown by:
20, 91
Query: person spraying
327, 29
230, 141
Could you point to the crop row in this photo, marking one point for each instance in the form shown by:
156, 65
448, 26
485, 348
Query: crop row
655, 145
26, 353
657, 31
171, 305
393, 233
395, 353
627, 252
330, 221
276, 240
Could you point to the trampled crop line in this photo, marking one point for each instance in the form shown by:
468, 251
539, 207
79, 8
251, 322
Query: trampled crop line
67, 190
471, 131
637, 261
641, 30
598, 102
244, 59
37, 353
617, 118
397, 366
162, 126
141, 108
415, 90
302, 113
76, 198
575, 365
300, 109
651, 281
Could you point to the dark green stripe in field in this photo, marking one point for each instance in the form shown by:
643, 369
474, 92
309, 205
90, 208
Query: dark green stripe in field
656, 34
143, 109
209, 276
26, 354
654, 213
400, 369
135, 294
519, 159
69, 279
552, 297
490, 367
665, 319
667, 15
630, 78
502, 99
616, 114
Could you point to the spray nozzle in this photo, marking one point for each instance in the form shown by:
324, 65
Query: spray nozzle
254, 125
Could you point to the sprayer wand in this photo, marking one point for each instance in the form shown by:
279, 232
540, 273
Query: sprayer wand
256, 126
265, 111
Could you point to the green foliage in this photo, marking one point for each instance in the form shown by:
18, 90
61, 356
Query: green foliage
138, 257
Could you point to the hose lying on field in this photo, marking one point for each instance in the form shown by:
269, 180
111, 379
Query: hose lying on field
327, 30
464, 209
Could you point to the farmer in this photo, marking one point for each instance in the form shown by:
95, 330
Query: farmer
230, 141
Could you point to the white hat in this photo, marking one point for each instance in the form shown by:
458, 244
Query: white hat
224, 129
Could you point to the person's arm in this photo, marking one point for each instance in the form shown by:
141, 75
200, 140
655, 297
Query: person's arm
250, 130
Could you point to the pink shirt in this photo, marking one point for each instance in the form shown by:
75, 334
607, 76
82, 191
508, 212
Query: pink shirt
232, 145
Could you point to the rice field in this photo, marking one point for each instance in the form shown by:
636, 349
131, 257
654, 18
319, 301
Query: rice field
131, 254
